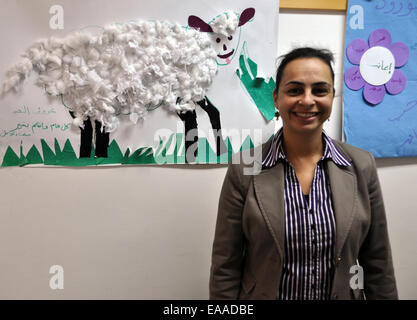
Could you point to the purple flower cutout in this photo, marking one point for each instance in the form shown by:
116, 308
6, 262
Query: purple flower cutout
375, 66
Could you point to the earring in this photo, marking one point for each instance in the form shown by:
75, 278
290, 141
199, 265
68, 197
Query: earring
277, 114
328, 119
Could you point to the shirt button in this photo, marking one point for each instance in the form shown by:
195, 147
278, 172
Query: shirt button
313, 226
311, 211
314, 241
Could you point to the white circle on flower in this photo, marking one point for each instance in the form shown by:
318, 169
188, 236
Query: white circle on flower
377, 65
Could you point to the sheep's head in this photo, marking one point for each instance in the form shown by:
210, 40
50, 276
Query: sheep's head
224, 31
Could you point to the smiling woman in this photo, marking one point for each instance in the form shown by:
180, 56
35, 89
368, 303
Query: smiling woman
304, 97
314, 213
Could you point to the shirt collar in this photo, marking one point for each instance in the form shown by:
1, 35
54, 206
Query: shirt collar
276, 153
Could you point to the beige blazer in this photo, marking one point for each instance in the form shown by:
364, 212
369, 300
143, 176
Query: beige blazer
248, 247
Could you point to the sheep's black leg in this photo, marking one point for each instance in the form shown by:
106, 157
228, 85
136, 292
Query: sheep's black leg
102, 141
214, 116
86, 138
191, 135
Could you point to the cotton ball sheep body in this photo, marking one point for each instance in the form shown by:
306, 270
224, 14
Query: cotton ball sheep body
125, 70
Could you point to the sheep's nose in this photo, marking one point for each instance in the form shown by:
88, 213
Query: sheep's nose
224, 47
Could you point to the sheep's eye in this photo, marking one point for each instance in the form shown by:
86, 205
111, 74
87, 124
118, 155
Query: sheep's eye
230, 37
218, 40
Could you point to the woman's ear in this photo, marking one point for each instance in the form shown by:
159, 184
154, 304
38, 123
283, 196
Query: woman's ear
275, 96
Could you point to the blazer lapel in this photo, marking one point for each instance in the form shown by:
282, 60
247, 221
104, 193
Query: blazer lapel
269, 191
343, 190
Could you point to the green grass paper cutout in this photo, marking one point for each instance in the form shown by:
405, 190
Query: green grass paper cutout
259, 90
114, 154
68, 152
161, 156
49, 157
174, 157
10, 159
247, 144
23, 160
114, 151
225, 157
66, 156
142, 156
125, 159
33, 156
205, 154
179, 158
57, 150
160, 152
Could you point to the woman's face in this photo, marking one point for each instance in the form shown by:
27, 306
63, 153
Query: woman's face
305, 95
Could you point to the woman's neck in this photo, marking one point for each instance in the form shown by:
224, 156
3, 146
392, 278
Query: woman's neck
303, 146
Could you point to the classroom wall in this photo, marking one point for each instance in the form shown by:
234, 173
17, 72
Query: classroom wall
145, 232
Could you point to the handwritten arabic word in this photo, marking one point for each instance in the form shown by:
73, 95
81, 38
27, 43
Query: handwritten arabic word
14, 132
52, 127
25, 110
411, 105
377, 65
355, 76
39, 111
410, 138
383, 67
397, 8
25, 129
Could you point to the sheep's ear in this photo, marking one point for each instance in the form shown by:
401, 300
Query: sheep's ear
196, 23
246, 15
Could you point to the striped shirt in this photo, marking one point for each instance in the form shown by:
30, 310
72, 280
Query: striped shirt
310, 229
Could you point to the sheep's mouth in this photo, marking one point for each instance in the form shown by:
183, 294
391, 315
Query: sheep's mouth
227, 55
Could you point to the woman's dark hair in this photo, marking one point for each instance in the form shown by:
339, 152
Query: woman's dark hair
305, 52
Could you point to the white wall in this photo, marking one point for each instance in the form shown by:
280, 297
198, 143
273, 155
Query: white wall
147, 237
146, 232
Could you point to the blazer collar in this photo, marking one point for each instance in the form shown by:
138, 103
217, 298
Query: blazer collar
269, 191
343, 191
273, 151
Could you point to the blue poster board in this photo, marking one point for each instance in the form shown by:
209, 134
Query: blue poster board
380, 77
